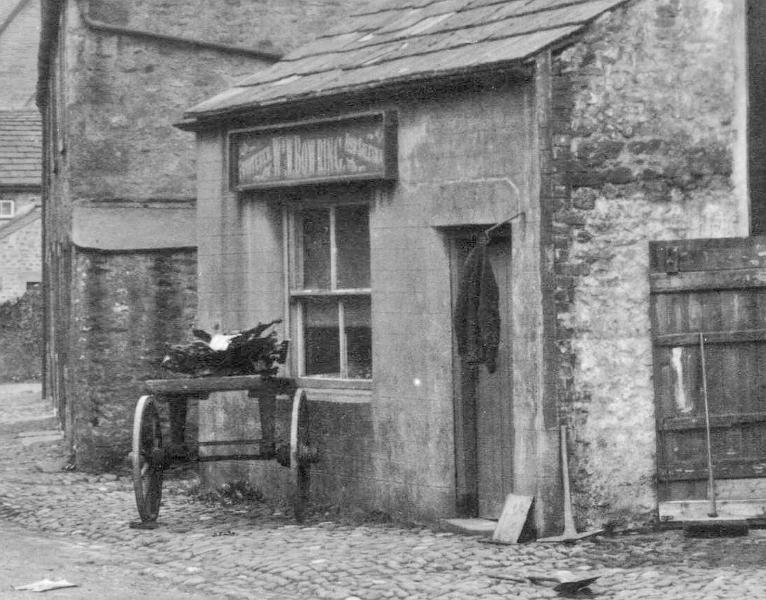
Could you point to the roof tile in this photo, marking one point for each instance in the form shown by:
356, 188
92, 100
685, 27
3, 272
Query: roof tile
407, 40
20, 148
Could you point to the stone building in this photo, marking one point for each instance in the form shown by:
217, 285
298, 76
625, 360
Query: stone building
118, 187
20, 147
19, 35
612, 148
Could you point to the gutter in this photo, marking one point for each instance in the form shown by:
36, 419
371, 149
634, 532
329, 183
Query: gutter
193, 121
51, 12
84, 6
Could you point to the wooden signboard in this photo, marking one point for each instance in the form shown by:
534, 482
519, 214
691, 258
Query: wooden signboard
362, 147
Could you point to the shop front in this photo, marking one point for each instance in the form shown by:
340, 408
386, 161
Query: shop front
349, 190
354, 228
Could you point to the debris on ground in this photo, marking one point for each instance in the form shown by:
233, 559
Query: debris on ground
44, 585
565, 582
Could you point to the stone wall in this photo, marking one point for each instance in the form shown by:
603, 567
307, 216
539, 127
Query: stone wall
20, 247
646, 146
127, 92
114, 141
21, 337
18, 49
126, 309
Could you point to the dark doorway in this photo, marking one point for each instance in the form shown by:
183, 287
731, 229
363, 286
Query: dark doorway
483, 400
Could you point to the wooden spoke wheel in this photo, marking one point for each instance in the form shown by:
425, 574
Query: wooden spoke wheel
148, 459
301, 455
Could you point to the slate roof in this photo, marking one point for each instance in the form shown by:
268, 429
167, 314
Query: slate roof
409, 40
21, 139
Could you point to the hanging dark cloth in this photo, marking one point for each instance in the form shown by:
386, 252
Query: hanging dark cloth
477, 315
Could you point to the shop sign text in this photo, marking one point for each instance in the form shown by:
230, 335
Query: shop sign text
325, 152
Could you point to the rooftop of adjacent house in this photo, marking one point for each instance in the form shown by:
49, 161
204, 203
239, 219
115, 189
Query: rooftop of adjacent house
20, 221
20, 148
401, 41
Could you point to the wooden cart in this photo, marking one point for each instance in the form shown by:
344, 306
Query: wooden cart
150, 457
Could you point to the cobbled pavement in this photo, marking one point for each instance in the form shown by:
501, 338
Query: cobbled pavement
254, 551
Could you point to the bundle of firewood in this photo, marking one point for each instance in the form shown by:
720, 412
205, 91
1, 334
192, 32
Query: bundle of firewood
250, 352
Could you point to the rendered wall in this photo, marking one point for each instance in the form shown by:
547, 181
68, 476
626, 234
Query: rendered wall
648, 135
464, 158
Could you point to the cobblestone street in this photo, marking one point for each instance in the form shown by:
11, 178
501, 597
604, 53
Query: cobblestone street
254, 551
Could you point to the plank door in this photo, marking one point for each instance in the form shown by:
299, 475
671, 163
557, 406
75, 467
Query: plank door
717, 288
483, 400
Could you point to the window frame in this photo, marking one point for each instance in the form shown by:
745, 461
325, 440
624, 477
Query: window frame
295, 295
12, 205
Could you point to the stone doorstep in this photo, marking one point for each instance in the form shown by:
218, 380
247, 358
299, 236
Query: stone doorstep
475, 527
38, 433
697, 510
43, 439
45, 422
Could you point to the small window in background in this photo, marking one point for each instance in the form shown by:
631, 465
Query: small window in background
7, 209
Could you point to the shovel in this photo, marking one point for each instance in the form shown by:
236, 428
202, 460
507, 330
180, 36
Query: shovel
570, 531
566, 582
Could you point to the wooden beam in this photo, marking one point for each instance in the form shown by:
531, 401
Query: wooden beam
189, 385
733, 469
709, 254
698, 422
685, 510
711, 337
708, 280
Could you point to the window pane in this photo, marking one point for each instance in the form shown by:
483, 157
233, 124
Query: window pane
315, 229
352, 236
320, 337
358, 330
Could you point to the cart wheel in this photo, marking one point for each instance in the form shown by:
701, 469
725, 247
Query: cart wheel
148, 459
299, 446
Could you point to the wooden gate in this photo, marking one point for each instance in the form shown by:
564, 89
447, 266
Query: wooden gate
716, 288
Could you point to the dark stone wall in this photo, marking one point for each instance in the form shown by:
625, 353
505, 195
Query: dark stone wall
126, 309
111, 137
21, 337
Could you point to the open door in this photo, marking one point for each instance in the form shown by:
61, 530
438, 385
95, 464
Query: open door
483, 400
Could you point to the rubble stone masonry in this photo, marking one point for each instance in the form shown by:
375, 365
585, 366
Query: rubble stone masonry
127, 308
646, 138
118, 98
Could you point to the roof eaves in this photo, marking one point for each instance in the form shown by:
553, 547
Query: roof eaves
302, 82
193, 121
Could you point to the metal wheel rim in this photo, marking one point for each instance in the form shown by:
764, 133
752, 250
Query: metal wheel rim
299, 437
147, 471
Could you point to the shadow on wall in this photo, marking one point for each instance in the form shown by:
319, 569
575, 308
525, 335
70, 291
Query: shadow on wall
21, 337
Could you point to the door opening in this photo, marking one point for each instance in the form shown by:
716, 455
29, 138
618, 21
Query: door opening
483, 400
